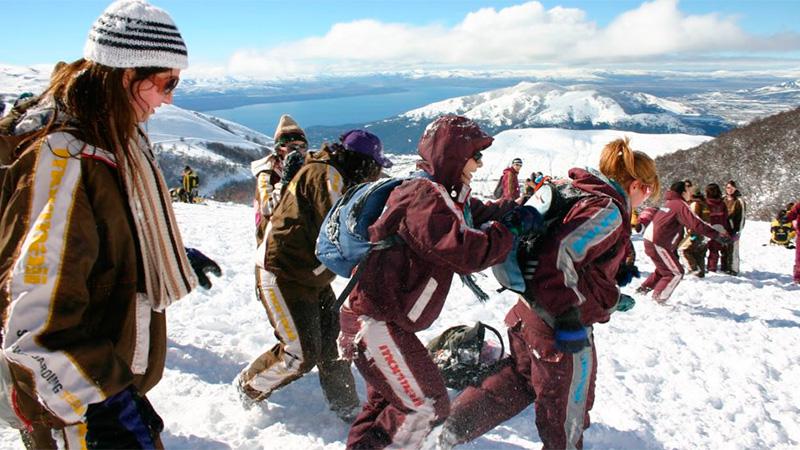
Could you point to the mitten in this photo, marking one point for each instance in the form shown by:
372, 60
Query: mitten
202, 264
570, 334
626, 273
522, 219
123, 420
625, 303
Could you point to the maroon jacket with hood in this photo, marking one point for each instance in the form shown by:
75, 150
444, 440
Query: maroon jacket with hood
510, 184
578, 266
407, 284
666, 231
718, 213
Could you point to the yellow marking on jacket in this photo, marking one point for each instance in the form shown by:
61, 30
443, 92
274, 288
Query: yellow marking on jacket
279, 311
35, 268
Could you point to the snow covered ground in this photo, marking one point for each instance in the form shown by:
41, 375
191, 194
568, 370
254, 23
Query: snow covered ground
718, 367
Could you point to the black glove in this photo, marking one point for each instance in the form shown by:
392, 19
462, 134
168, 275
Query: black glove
522, 219
202, 264
570, 334
124, 420
724, 239
626, 273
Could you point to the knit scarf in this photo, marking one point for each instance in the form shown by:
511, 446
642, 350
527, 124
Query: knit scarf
167, 272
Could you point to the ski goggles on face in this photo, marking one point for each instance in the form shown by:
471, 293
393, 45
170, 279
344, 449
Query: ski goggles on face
477, 156
165, 85
295, 146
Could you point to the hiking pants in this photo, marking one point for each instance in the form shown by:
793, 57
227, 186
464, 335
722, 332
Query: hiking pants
730, 257
715, 253
561, 386
694, 253
668, 273
306, 330
797, 260
406, 396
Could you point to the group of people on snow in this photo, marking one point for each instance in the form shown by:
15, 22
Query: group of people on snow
91, 257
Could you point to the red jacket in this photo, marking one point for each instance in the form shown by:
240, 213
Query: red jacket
578, 266
666, 230
510, 184
407, 284
718, 213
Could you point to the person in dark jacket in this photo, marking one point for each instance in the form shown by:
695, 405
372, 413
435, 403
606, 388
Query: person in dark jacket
736, 218
792, 216
295, 288
90, 252
718, 218
663, 235
553, 361
693, 247
445, 232
189, 182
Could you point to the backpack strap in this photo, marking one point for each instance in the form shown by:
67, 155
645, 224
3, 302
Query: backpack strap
380, 245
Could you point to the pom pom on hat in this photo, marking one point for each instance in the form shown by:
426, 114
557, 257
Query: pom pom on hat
134, 33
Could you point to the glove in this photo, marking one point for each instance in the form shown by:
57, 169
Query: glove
625, 303
202, 264
724, 239
626, 273
123, 420
522, 219
570, 334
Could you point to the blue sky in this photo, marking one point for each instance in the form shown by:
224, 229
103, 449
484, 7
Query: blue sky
296, 37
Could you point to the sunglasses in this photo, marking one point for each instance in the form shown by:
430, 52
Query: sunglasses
165, 85
477, 156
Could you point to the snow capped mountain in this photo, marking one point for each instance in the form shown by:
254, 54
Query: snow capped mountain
742, 106
579, 107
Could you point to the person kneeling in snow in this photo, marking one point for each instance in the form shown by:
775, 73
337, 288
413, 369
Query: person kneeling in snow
403, 288
295, 288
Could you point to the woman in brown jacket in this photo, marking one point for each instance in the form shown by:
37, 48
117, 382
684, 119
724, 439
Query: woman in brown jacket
90, 252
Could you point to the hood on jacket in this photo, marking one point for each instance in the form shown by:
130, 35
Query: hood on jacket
672, 195
446, 145
596, 183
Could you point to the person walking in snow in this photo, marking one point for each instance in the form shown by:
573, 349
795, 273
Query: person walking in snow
736, 217
718, 218
295, 288
403, 288
268, 171
553, 360
90, 252
189, 183
510, 180
693, 246
792, 216
663, 235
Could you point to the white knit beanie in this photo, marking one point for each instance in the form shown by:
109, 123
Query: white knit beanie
134, 33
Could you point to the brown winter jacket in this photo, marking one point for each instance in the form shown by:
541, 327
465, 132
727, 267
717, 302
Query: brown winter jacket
73, 329
296, 220
736, 212
407, 284
666, 230
578, 265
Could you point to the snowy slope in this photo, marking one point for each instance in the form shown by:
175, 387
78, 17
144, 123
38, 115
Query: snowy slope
716, 368
580, 106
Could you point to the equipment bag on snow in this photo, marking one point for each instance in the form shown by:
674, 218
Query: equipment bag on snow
464, 356
553, 201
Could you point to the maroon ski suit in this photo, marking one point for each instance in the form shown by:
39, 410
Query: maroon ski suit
661, 241
510, 184
718, 218
793, 215
577, 268
403, 288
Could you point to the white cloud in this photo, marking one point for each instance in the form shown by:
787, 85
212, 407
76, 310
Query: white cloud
520, 35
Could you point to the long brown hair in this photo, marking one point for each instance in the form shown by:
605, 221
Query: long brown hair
95, 98
624, 165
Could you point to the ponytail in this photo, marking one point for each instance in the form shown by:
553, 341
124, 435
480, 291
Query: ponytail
623, 165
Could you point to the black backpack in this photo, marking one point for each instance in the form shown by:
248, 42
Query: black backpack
456, 352
498, 189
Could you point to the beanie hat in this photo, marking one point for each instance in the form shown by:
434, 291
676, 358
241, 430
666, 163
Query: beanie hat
516, 161
134, 33
289, 128
366, 143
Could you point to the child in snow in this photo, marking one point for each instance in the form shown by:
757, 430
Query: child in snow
693, 247
792, 216
781, 230
553, 360
295, 288
90, 251
403, 288
736, 218
718, 218
663, 235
